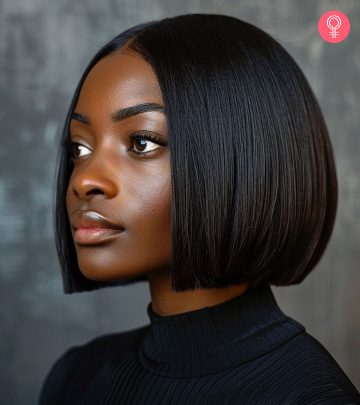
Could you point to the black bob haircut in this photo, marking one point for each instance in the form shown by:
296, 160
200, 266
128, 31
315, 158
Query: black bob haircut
254, 184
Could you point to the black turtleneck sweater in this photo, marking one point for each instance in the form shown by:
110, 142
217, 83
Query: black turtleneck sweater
242, 351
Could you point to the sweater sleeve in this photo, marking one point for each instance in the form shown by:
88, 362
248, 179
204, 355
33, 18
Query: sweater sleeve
56, 378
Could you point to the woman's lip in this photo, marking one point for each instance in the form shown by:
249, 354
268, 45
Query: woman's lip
92, 236
91, 219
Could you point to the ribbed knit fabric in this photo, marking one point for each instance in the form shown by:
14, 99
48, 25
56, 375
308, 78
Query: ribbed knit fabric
242, 351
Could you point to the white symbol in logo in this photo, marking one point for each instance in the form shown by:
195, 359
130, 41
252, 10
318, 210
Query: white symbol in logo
333, 28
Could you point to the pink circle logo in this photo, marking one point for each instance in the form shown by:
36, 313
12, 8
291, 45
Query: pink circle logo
334, 26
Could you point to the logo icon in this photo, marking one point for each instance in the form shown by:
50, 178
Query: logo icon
334, 26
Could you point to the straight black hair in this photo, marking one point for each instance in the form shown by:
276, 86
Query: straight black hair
254, 185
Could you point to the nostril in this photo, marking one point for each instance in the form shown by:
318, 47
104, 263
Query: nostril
95, 191
87, 192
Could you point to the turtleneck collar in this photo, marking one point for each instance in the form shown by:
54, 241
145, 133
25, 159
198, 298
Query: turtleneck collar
213, 339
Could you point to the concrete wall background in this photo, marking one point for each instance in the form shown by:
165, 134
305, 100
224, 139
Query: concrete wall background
44, 48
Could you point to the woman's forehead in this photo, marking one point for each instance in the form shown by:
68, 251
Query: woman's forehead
119, 80
123, 72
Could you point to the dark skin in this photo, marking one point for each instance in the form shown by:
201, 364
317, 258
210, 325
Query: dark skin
126, 188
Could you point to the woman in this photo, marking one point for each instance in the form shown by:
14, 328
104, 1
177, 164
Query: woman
195, 157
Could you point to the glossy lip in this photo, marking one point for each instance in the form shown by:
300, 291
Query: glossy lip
90, 227
92, 236
91, 219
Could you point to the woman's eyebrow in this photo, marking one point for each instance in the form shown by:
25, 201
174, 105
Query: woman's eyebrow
123, 113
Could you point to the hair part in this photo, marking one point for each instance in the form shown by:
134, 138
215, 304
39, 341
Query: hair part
254, 185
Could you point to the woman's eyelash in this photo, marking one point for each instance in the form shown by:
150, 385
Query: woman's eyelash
69, 145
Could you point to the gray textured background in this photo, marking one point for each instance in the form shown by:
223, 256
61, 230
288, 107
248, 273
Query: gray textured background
44, 48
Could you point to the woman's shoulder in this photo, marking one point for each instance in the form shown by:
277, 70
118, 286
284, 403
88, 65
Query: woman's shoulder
86, 358
57, 376
126, 341
299, 372
314, 375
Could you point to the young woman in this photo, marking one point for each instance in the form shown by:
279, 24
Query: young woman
195, 157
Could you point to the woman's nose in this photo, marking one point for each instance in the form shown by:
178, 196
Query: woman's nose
87, 184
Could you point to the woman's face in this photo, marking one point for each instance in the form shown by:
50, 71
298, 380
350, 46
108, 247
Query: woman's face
111, 179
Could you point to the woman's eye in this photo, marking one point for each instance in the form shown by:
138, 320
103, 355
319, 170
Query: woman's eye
145, 144
142, 144
72, 149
